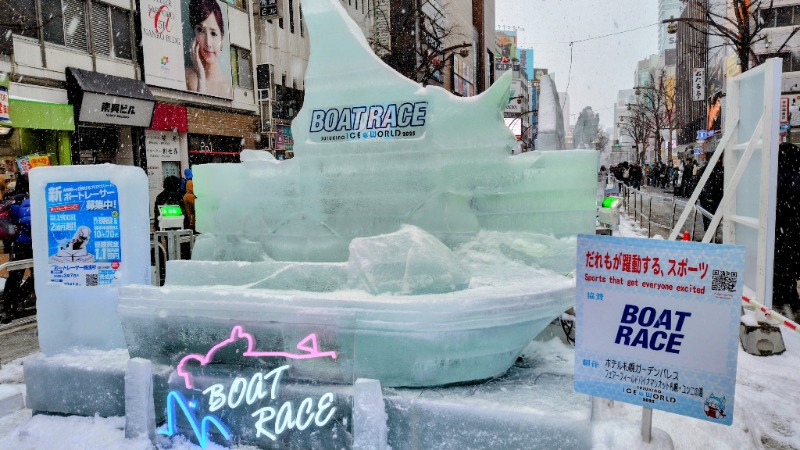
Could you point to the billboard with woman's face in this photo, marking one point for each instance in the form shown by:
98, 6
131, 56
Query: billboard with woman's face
186, 46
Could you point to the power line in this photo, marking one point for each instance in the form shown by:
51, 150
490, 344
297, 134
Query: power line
525, 44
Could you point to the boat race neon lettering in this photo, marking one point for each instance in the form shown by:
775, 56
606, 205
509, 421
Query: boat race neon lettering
242, 390
271, 420
286, 419
648, 321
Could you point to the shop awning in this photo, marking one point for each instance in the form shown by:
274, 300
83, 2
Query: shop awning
41, 115
107, 99
169, 117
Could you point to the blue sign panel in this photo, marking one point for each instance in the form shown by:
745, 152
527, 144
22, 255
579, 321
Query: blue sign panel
83, 233
658, 324
702, 135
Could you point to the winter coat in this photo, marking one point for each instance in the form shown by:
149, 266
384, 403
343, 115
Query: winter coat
21, 216
171, 195
712, 192
188, 201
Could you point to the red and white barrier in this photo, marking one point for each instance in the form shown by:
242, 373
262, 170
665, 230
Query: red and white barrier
768, 312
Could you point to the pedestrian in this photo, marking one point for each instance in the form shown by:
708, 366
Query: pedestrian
686, 178
18, 288
188, 202
187, 175
171, 195
786, 266
712, 192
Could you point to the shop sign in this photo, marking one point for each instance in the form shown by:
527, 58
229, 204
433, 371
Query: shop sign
132, 112
283, 138
171, 54
253, 402
658, 324
26, 163
83, 233
5, 116
698, 84
268, 8
784, 110
381, 122
162, 145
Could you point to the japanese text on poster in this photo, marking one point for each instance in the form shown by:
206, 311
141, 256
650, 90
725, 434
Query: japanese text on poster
83, 233
658, 324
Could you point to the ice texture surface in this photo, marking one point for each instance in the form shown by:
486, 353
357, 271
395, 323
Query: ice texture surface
403, 230
140, 419
369, 416
551, 118
86, 317
454, 177
409, 261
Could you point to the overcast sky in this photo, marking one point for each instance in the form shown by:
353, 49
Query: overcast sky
600, 67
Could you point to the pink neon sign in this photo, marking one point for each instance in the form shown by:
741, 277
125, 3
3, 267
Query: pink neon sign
308, 345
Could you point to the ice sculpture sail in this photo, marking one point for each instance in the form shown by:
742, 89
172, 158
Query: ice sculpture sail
375, 150
403, 231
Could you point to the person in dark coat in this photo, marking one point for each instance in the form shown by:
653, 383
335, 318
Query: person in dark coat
17, 288
686, 178
171, 195
786, 268
712, 192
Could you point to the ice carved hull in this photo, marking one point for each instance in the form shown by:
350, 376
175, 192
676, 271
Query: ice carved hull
400, 341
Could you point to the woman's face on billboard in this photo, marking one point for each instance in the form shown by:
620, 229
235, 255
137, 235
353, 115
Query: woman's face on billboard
209, 39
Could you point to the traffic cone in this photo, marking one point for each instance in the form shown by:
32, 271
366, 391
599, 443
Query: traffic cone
686, 236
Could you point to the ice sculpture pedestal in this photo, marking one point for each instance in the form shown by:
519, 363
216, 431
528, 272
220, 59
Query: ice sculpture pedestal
528, 407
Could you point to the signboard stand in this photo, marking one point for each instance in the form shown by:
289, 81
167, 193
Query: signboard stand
647, 424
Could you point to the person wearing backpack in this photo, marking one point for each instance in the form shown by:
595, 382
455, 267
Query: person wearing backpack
17, 288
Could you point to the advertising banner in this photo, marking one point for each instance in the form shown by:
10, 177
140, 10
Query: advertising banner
26, 163
283, 138
658, 324
507, 43
399, 120
5, 116
83, 233
186, 46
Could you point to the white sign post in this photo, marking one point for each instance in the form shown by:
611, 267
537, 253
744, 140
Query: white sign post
658, 324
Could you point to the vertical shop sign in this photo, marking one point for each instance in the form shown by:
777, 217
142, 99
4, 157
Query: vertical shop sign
658, 324
83, 233
698, 84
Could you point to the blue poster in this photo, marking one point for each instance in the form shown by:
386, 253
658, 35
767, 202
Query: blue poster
658, 324
83, 233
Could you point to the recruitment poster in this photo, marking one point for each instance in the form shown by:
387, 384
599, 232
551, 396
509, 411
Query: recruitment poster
658, 324
83, 233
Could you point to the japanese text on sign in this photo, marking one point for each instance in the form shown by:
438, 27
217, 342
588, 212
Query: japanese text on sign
658, 324
83, 223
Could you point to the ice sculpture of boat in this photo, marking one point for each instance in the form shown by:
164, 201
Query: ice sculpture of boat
320, 243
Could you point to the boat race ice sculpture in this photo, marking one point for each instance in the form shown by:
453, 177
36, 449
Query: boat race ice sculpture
403, 234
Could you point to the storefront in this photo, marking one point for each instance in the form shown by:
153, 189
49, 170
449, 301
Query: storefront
165, 147
112, 113
218, 136
40, 128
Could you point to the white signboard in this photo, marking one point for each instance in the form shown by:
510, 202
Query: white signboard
162, 42
698, 84
100, 108
658, 324
160, 146
179, 54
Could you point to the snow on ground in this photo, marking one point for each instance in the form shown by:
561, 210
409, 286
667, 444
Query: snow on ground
767, 411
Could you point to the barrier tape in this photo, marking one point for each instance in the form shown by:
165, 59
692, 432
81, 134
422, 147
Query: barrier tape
774, 315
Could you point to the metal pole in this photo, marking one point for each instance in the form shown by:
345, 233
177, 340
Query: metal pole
647, 424
649, 215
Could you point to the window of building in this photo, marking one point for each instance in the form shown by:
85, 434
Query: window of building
291, 16
241, 69
75, 29
52, 21
111, 28
784, 16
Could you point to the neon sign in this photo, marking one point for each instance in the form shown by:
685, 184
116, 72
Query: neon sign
271, 420
312, 351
